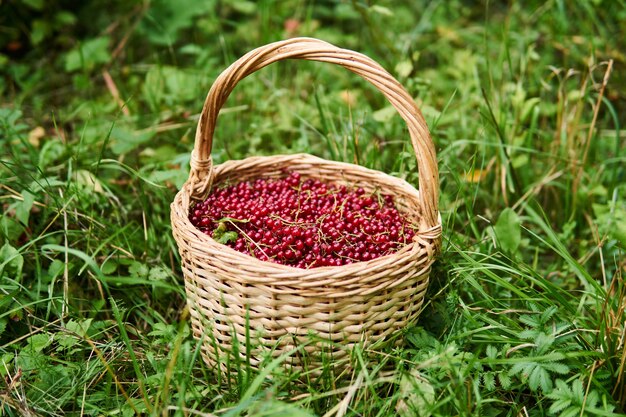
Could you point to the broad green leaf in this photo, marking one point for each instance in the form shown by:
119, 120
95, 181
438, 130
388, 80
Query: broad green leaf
125, 140
50, 151
75, 331
417, 395
165, 19
528, 106
10, 230
88, 54
64, 17
153, 87
35, 4
39, 30
5, 363
381, 10
89, 181
11, 261
176, 176
611, 220
275, 408
109, 266
23, 208
29, 360
56, 268
385, 114
404, 68
244, 6
508, 230
181, 85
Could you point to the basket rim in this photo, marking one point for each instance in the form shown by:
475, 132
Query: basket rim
432, 234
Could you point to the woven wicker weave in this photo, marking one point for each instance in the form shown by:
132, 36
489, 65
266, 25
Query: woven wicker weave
234, 297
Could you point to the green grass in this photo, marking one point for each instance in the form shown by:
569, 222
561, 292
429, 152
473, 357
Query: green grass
526, 308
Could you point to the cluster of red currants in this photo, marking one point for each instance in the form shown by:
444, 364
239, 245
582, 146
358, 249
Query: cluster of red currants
302, 223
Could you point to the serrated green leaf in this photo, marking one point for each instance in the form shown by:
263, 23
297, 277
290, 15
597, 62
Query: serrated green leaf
228, 237
559, 405
161, 329
76, 331
421, 339
528, 334
158, 273
529, 320
534, 377
505, 380
10, 228
548, 313
491, 352
543, 341
540, 377
557, 367
489, 381
79, 327
221, 233
571, 412
39, 342
508, 230
166, 18
522, 368
138, 270
578, 391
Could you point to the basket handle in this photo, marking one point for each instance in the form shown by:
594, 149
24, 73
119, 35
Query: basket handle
317, 50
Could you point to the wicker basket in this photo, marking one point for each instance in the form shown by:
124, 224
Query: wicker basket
258, 309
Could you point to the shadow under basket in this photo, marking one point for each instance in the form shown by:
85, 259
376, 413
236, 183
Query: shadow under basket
254, 309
